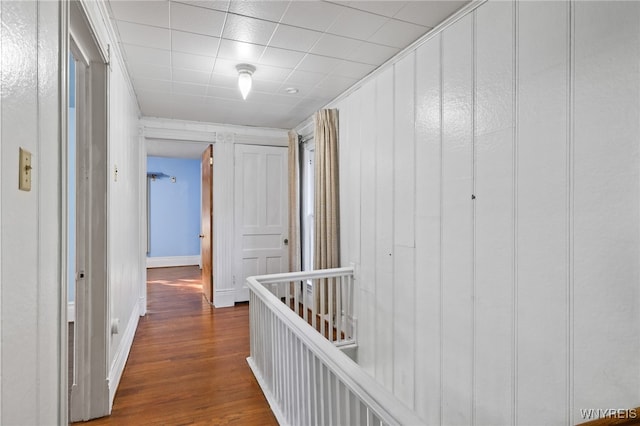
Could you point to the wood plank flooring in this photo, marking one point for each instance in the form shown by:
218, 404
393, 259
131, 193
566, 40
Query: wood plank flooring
188, 361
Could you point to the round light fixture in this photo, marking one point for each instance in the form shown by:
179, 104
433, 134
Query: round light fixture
245, 71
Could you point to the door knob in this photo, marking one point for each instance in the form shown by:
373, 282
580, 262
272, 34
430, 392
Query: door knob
286, 241
201, 236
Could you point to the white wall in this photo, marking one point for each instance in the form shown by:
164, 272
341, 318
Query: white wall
521, 306
124, 217
32, 291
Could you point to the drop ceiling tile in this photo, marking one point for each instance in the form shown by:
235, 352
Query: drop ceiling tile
384, 8
192, 62
185, 99
334, 84
195, 113
398, 34
356, 24
144, 35
225, 67
148, 84
281, 57
373, 54
155, 13
222, 80
151, 109
194, 43
190, 76
428, 13
321, 64
273, 100
149, 99
224, 92
335, 46
141, 71
250, 30
147, 55
304, 78
266, 86
196, 19
267, 72
188, 88
267, 10
353, 69
222, 5
312, 14
239, 51
294, 38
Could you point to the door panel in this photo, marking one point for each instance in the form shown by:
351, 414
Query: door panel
206, 229
261, 213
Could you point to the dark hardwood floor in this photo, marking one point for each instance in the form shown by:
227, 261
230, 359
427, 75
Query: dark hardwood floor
188, 361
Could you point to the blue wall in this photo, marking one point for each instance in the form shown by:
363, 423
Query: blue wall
174, 208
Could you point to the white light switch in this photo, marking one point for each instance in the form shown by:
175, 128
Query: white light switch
24, 164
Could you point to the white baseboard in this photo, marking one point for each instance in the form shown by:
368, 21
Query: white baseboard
224, 298
273, 402
71, 311
142, 306
117, 366
165, 262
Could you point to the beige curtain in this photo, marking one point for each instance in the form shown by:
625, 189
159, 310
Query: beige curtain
294, 203
326, 209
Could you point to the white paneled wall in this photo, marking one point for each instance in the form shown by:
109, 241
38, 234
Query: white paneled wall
31, 292
124, 213
490, 191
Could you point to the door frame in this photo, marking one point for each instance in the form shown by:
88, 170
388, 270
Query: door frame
90, 388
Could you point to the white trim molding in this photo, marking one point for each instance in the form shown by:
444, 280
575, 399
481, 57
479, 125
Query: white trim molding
224, 298
120, 359
170, 261
71, 311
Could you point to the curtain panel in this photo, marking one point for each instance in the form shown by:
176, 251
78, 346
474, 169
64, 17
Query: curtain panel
294, 203
326, 206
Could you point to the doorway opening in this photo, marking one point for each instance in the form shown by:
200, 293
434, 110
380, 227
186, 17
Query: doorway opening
179, 231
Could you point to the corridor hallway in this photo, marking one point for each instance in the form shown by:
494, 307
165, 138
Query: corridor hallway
188, 361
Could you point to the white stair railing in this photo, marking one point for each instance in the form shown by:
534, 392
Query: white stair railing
304, 376
324, 299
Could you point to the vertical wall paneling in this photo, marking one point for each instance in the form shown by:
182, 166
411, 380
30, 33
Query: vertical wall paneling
353, 144
605, 195
30, 243
494, 219
457, 232
343, 160
543, 186
404, 230
367, 283
384, 120
428, 153
223, 196
525, 298
124, 210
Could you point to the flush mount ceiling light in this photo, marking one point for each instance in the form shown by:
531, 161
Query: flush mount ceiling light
291, 90
244, 78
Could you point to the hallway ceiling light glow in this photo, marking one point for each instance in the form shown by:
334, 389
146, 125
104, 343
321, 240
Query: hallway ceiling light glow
245, 71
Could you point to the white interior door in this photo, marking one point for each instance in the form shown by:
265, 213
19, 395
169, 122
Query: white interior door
261, 215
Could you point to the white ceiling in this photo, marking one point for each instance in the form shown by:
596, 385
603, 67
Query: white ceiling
182, 55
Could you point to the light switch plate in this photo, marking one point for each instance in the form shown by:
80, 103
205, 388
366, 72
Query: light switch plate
24, 182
